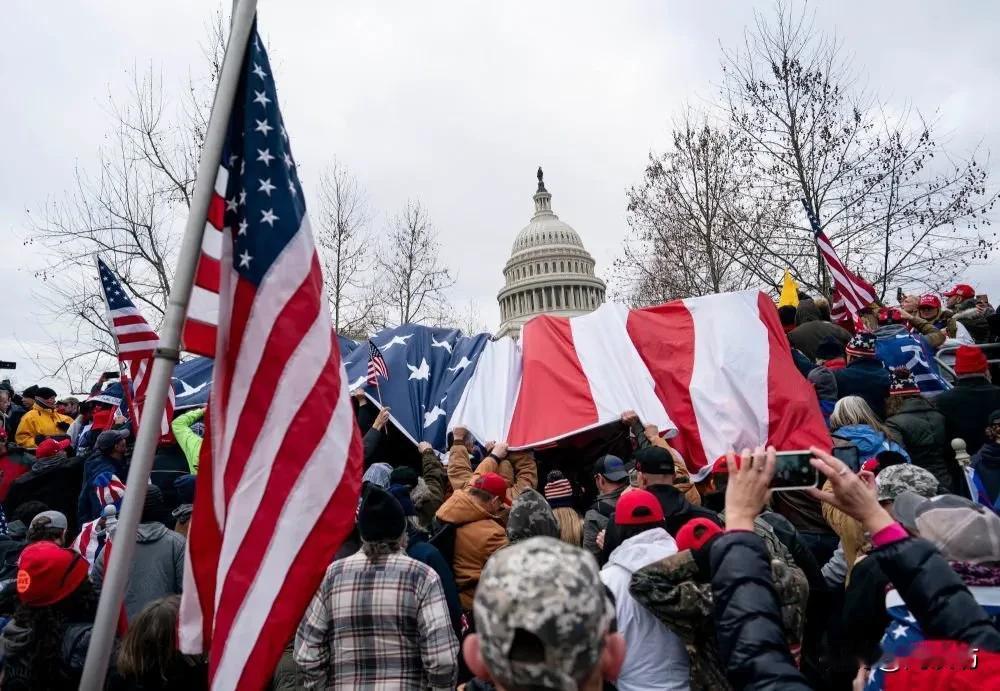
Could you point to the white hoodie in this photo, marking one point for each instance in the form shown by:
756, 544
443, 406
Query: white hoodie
655, 658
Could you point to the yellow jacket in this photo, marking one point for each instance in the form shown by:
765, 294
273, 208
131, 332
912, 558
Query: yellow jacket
39, 420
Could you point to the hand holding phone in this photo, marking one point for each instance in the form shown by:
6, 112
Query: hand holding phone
794, 470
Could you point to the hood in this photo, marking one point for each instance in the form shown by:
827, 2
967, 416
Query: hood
825, 383
989, 452
15, 639
150, 532
869, 441
531, 516
806, 312
643, 549
461, 508
890, 330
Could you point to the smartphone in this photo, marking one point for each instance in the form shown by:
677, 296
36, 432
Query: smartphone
900, 295
849, 456
111, 375
794, 471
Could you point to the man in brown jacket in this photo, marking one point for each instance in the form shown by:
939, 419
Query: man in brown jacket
516, 467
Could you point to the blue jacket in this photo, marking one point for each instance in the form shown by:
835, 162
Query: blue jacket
870, 442
97, 465
867, 378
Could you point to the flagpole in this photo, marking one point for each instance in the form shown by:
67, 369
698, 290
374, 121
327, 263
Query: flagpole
167, 354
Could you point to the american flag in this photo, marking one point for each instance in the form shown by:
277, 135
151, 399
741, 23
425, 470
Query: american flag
281, 464
855, 293
376, 365
135, 342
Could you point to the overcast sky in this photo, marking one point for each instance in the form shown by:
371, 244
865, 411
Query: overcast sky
455, 103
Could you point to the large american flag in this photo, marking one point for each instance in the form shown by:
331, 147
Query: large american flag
855, 292
135, 342
281, 467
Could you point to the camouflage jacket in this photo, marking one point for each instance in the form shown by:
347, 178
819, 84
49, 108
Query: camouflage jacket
671, 590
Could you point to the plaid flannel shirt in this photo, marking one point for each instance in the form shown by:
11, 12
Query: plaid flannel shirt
378, 626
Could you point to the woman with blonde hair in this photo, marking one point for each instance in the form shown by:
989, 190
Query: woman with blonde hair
854, 420
559, 495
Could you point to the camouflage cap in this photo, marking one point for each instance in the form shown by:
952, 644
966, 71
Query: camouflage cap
551, 591
905, 477
530, 516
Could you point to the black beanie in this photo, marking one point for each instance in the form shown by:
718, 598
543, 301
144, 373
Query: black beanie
403, 475
152, 508
380, 517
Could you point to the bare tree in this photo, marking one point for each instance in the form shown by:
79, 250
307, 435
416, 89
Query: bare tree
409, 273
810, 133
467, 318
343, 239
129, 208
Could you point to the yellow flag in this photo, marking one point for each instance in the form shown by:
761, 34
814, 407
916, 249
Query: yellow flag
789, 291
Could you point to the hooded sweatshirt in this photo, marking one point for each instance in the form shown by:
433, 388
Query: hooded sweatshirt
655, 657
984, 475
478, 534
157, 567
531, 516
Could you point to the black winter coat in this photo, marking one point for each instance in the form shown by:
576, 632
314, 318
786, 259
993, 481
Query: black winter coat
748, 616
807, 336
920, 428
867, 378
966, 409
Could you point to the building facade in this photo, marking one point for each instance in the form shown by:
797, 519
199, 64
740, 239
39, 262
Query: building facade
549, 271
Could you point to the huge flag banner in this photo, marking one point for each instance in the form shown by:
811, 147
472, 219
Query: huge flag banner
856, 293
913, 352
135, 342
280, 468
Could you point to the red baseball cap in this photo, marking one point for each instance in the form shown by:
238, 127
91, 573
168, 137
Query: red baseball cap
50, 447
720, 467
48, 573
638, 507
970, 360
961, 290
695, 533
494, 484
930, 300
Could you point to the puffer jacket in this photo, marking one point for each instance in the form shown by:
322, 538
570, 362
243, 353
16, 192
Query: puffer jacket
920, 428
39, 420
870, 441
157, 568
655, 658
478, 534
748, 616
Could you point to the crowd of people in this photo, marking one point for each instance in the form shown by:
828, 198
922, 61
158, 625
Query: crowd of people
487, 568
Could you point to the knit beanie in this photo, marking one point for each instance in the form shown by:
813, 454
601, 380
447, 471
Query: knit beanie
558, 490
902, 383
380, 517
862, 345
403, 475
153, 507
402, 495
970, 360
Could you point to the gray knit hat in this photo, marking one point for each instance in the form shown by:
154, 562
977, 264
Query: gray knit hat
550, 593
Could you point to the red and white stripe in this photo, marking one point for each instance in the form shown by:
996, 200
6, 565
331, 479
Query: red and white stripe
280, 470
713, 372
86, 543
199, 332
856, 293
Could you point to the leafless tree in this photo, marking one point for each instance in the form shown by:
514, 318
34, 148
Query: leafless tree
811, 133
129, 208
467, 318
409, 273
343, 239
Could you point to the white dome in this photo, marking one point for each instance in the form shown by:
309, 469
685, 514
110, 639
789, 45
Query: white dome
546, 229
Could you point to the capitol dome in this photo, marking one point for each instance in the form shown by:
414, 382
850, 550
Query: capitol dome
549, 271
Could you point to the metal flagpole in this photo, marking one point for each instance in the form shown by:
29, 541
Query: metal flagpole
166, 355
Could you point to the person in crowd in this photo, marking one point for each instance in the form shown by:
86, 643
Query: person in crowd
49, 526
864, 618
864, 375
184, 486
611, 479
157, 568
920, 428
10, 415
189, 430
418, 547
786, 315
373, 440
825, 384
68, 407
929, 309
531, 516
54, 479
830, 354
429, 492
28, 397
855, 421
45, 644
148, 658
544, 620
41, 421
810, 330
559, 495
84, 417
517, 468
22, 516
655, 658
655, 470
105, 468
894, 321
649, 435
968, 405
983, 473
379, 618
476, 516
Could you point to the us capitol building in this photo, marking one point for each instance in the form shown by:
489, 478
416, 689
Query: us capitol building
549, 271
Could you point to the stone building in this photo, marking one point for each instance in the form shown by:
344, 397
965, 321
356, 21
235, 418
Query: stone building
549, 271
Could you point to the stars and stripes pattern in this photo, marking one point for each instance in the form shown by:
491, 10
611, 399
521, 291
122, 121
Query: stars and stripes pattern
855, 292
376, 365
135, 342
280, 468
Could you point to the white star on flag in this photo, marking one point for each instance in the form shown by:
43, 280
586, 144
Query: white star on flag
245, 260
423, 372
265, 186
268, 217
265, 156
261, 98
262, 126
